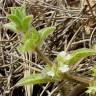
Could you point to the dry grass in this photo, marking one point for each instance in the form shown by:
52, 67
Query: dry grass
75, 21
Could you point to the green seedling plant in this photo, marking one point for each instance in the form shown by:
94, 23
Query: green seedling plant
32, 40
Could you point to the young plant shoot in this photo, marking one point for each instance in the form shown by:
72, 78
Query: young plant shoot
32, 40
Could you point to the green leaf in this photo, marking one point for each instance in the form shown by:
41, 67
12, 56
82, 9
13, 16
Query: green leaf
54, 72
17, 15
35, 38
18, 11
62, 57
30, 41
80, 53
92, 88
15, 19
75, 56
27, 46
45, 32
23, 11
27, 23
34, 79
13, 10
10, 26
49, 70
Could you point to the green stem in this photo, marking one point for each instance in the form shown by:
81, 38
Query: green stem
43, 57
67, 75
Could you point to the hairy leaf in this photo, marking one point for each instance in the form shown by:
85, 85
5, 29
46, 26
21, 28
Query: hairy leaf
30, 41
34, 79
92, 88
27, 46
45, 32
35, 38
13, 10
54, 72
62, 57
18, 11
75, 56
10, 26
80, 53
15, 19
27, 23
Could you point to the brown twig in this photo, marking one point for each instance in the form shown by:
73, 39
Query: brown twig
90, 8
77, 90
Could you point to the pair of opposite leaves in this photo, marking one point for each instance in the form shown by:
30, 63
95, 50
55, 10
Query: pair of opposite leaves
32, 39
20, 22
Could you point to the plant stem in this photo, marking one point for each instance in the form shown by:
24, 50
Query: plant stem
83, 80
67, 75
43, 57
